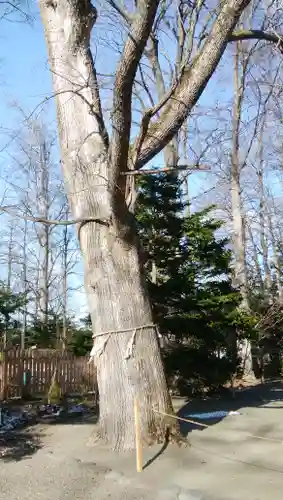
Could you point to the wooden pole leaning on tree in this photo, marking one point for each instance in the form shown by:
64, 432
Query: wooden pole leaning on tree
138, 436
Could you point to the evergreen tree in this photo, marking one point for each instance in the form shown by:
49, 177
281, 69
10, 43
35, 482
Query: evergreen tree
188, 271
10, 304
81, 340
45, 334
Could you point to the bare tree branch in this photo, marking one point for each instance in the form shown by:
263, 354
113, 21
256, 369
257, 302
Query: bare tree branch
125, 14
195, 77
123, 87
257, 35
13, 210
145, 121
171, 150
178, 168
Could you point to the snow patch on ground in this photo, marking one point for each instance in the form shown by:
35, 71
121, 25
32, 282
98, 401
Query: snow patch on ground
211, 415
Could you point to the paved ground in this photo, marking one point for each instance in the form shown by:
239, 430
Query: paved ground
224, 462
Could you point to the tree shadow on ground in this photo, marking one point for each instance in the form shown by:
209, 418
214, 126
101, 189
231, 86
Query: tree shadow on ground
159, 453
19, 444
87, 419
259, 396
22, 443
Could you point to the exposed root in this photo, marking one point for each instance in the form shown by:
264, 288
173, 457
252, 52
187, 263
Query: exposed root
166, 432
95, 439
175, 437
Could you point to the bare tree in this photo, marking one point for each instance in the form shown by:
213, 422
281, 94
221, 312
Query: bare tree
33, 188
264, 240
276, 247
65, 244
25, 283
10, 254
256, 277
96, 171
35, 258
69, 254
43, 201
237, 206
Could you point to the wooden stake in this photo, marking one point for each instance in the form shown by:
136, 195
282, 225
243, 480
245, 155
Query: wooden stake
4, 366
233, 386
138, 436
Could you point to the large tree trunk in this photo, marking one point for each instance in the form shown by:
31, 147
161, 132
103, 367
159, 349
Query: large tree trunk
128, 358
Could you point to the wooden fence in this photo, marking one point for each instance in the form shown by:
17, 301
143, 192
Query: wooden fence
31, 371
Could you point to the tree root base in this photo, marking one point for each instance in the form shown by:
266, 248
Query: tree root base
172, 436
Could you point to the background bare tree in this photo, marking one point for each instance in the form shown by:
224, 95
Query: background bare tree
38, 257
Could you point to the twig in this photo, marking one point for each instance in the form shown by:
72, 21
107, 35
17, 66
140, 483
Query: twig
51, 222
178, 168
126, 15
148, 115
275, 38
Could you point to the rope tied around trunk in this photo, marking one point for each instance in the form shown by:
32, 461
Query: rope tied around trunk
98, 350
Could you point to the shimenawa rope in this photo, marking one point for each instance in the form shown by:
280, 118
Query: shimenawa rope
97, 350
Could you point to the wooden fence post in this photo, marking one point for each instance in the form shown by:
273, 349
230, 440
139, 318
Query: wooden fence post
30, 372
4, 366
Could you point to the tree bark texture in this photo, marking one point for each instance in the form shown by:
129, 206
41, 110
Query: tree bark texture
114, 281
245, 354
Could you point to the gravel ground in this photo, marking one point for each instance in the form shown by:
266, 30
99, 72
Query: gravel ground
64, 466
224, 462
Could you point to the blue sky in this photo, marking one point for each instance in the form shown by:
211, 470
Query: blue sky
24, 71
